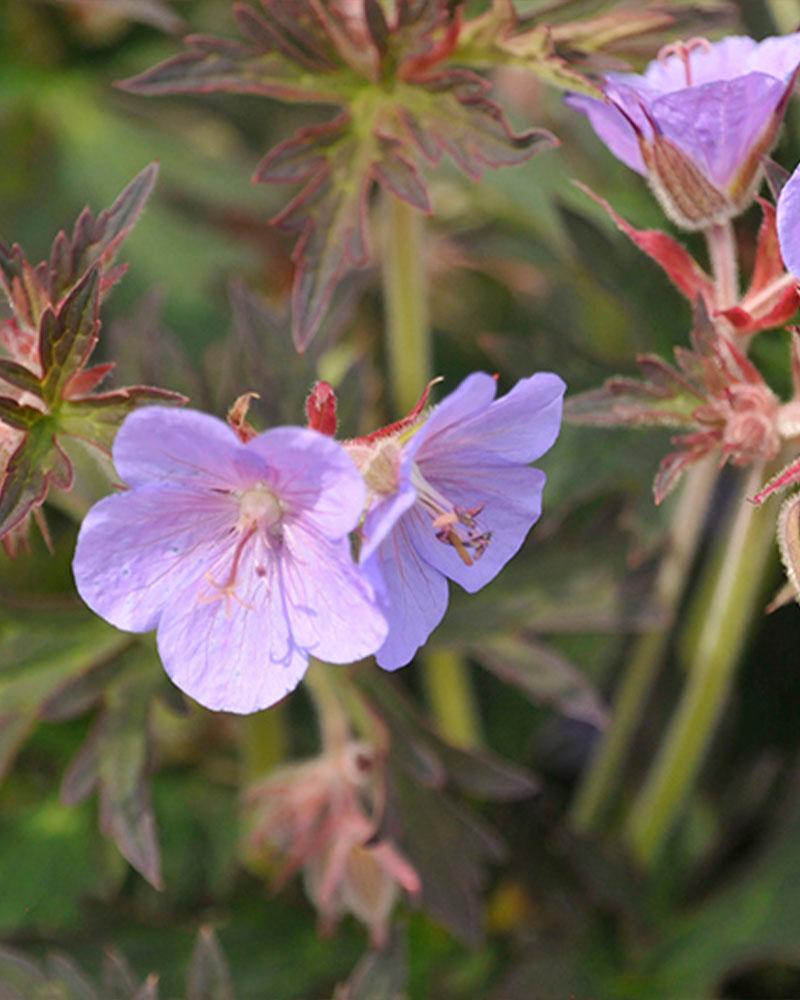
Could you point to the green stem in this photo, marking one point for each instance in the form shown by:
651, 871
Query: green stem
595, 798
447, 686
264, 742
713, 659
406, 302
410, 367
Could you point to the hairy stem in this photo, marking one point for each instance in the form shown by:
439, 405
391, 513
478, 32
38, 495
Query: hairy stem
721, 241
410, 362
712, 661
595, 797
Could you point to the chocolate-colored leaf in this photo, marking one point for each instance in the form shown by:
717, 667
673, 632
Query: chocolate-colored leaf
215, 64
67, 337
329, 214
450, 113
37, 464
543, 675
122, 734
380, 974
452, 880
20, 377
209, 977
95, 242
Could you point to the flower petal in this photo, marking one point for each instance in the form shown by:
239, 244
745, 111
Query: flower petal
331, 604
233, 654
415, 596
789, 223
717, 124
612, 128
384, 514
161, 444
519, 427
136, 548
313, 474
511, 498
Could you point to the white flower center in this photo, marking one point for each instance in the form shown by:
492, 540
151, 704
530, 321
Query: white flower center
259, 508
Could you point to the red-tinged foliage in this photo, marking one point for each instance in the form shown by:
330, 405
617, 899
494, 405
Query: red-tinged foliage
714, 392
772, 298
400, 106
674, 260
50, 338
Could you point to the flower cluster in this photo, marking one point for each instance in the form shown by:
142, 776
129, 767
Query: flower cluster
238, 547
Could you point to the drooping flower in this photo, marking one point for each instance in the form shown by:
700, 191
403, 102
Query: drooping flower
698, 121
238, 554
322, 816
452, 496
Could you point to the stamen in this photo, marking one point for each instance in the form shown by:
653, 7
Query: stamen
449, 522
683, 50
227, 590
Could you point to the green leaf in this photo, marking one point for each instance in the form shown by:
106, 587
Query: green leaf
66, 338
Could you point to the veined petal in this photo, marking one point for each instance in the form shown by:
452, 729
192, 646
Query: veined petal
473, 396
161, 444
332, 606
136, 548
415, 596
612, 127
519, 427
724, 60
789, 223
232, 652
314, 476
510, 496
717, 124
382, 517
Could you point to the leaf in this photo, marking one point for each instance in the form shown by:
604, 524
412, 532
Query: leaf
395, 108
38, 659
329, 213
209, 977
121, 738
450, 112
544, 676
213, 64
37, 465
379, 975
59, 301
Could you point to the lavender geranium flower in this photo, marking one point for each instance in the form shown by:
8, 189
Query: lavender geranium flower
452, 496
698, 121
238, 553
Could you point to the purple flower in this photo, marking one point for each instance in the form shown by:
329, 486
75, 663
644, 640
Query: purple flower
698, 121
788, 222
453, 497
237, 553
